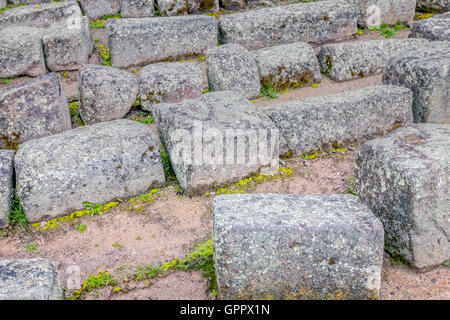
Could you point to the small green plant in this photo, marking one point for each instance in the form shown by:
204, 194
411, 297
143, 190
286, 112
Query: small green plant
93, 208
102, 279
117, 245
351, 186
75, 112
446, 263
269, 91
81, 227
395, 262
104, 53
144, 117
138, 238
31, 247
17, 216
168, 170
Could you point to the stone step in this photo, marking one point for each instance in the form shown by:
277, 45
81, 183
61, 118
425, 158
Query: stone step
358, 59
29, 279
426, 72
435, 28
6, 184
306, 22
135, 42
33, 109
404, 179
319, 123
216, 139
281, 246
96, 163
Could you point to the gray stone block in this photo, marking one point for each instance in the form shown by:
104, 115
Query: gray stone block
319, 123
203, 6
426, 73
136, 42
29, 279
96, 163
433, 5
216, 139
232, 67
21, 52
287, 66
307, 22
168, 8
279, 246
404, 179
32, 109
137, 8
6, 184
44, 16
98, 8
105, 93
169, 82
69, 48
435, 28
359, 59
233, 4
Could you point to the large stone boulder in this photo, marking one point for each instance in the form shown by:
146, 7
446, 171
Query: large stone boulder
435, 28
384, 11
216, 139
359, 59
137, 8
169, 82
68, 48
308, 22
45, 15
136, 42
287, 66
404, 179
105, 93
232, 67
98, 8
21, 52
6, 184
29, 279
279, 246
32, 109
96, 163
427, 73
433, 5
318, 123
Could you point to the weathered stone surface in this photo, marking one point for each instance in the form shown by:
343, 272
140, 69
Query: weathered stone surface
6, 184
200, 135
43, 16
32, 109
433, 5
289, 65
29, 279
202, 6
98, 8
319, 123
21, 52
281, 246
169, 82
427, 73
96, 163
435, 28
3, 3
28, 1
105, 93
232, 67
404, 179
137, 8
136, 42
233, 4
168, 8
308, 22
390, 11
352, 60
69, 48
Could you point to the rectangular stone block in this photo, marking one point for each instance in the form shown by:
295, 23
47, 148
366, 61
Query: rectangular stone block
307, 22
96, 163
359, 59
287, 66
95, 9
320, 123
137, 8
427, 73
216, 139
404, 179
6, 184
435, 28
433, 5
135, 42
32, 109
280, 246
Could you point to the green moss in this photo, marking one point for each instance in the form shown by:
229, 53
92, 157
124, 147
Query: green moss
100, 280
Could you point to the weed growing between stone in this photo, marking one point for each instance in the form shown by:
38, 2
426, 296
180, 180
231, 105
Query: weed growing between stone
17, 217
168, 170
100, 23
389, 31
269, 91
